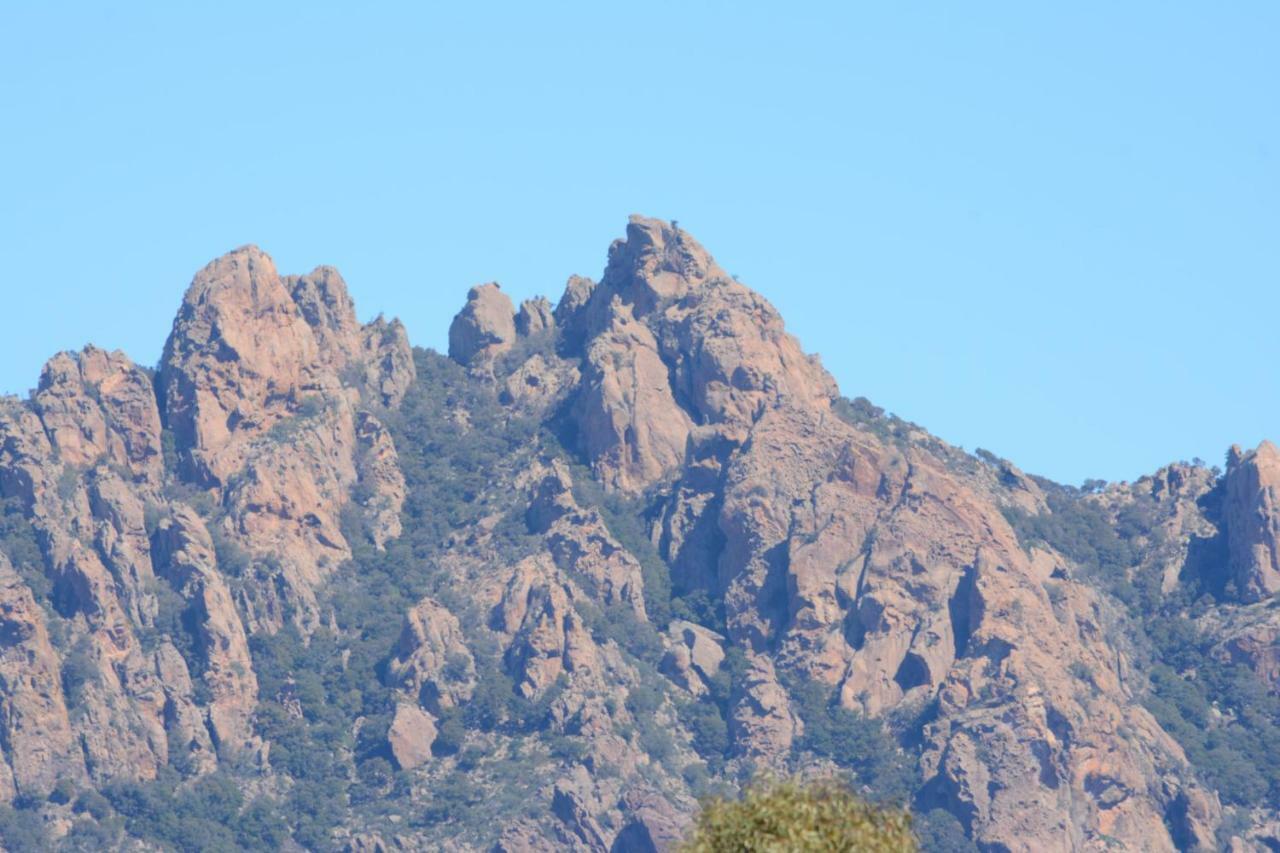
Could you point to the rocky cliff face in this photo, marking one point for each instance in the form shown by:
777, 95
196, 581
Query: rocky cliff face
608, 557
1253, 519
152, 501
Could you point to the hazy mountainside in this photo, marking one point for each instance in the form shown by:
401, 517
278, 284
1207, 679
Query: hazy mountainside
304, 586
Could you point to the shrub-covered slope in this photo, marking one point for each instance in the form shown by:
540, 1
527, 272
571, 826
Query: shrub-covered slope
303, 585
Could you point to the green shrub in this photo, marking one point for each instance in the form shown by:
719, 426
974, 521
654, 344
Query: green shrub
860, 744
818, 816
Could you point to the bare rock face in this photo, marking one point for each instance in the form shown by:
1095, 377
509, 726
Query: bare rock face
1252, 517
433, 663
874, 566
321, 297
540, 383
1178, 497
548, 637
657, 823
870, 568
187, 561
694, 655
535, 316
582, 545
670, 341
381, 481
38, 743
241, 359
189, 731
257, 386
268, 387
628, 421
657, 263
412, 733
484, 327
388, 360
98, 405
1256, 644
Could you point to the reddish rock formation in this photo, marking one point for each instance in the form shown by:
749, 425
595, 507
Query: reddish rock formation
433, 663
484, 327
1252, 518
38, 743
411, 736
843, 551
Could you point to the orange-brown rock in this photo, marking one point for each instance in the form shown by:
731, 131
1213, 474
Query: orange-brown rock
694, 655
99, 406
534, 316
484, 327
412, 733
388, 360
582, 545
38, 743
241, 359
548, 637
846, 550
868, 567
382, 483
1252, 518
186, 560
433, 663
261, 378
628, 421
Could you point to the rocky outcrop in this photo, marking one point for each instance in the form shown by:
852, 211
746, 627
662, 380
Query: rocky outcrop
837, 552
35, 731
548, 637
241, 358
382, 489
535, 317
627, 418
433, 663
694, 655
410, 737
261, 380
842, 560
99, 406
581, 543
388, 367
485, 326
186, 560
1252, 518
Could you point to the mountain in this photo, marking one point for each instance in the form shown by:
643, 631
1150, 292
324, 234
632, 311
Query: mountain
303, 586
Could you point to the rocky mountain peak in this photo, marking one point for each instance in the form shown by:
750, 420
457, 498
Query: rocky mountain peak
485, 327
657, 262
606, 558
241, 356
1252, 516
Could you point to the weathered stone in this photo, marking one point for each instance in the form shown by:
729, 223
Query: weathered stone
484, 327
547, 634
410, 737
535, 315
186, 560
433, 663
97, 405
38, 743
1252, 518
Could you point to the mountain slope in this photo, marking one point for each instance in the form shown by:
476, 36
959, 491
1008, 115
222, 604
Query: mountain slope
306, 585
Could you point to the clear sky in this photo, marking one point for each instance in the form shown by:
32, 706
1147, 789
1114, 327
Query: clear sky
1050, 232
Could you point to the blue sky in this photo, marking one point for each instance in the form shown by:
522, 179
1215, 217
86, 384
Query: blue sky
1050, 232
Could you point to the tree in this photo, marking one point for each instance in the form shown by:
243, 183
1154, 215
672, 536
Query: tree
789, 815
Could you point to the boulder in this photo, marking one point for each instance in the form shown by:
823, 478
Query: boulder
484, 327
410, 737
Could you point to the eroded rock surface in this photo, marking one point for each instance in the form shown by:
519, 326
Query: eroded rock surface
485, 327
1252, 518
661, 533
